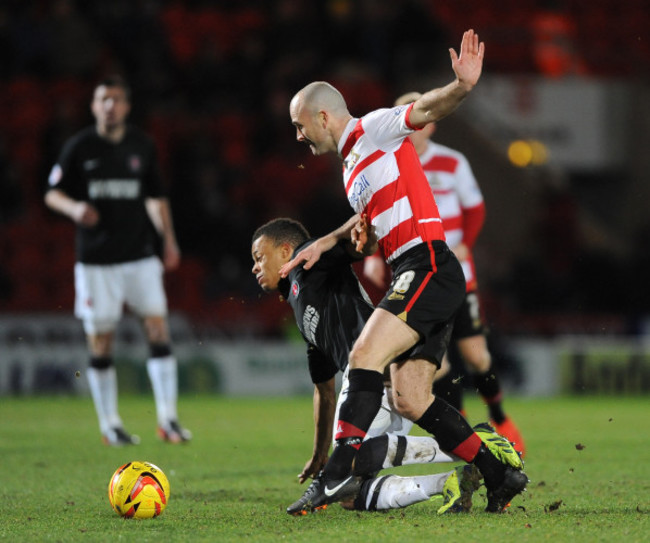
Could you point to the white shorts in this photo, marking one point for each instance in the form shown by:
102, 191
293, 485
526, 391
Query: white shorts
387, 421
103, 290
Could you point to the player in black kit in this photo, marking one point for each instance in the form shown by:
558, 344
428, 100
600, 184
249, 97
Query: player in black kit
330, 309
107, 180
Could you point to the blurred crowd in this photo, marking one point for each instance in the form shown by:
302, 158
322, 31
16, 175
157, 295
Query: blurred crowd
211, 83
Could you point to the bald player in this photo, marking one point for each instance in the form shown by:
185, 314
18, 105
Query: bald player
411, 326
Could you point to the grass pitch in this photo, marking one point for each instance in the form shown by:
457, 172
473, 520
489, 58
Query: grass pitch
587, 461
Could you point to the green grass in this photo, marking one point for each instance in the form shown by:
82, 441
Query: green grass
234, 480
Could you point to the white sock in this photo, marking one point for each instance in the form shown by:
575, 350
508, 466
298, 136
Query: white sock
432, 484
163, 375
395, 492
407, 450
103, 389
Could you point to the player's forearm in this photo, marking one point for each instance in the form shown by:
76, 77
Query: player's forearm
324, 409
60, 202
160, 214
438, 103
343, 232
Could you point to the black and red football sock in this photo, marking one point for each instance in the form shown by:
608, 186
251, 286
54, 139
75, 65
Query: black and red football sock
454, 435
357, 412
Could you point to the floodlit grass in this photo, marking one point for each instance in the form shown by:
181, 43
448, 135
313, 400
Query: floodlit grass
587, 461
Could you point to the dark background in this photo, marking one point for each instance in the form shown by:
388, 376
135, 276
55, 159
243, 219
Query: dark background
212, 83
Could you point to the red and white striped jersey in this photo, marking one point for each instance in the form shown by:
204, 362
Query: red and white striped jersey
383, 178
459, 199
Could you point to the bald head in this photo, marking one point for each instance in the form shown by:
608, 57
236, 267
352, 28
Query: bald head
321, 96
320, 114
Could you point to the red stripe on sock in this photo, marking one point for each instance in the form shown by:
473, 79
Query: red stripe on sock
468, 449
493, 399
345, 429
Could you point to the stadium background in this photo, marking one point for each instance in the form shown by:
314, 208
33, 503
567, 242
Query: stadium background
563, 259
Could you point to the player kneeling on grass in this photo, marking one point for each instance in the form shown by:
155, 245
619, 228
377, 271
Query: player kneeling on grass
330, 309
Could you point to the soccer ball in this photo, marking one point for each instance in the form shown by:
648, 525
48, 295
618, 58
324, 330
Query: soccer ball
138, 490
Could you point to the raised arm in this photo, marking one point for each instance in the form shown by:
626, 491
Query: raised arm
438, 103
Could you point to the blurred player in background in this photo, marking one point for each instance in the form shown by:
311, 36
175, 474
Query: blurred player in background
107, 180
462, 210
409, 330
330, 309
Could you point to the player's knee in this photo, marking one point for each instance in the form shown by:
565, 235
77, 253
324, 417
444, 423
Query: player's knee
358, 355
364, 357
100, 345
156, 329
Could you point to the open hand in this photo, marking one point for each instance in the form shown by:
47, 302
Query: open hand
309, 256
468, 64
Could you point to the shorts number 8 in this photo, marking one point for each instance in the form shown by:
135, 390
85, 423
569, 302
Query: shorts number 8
403, 282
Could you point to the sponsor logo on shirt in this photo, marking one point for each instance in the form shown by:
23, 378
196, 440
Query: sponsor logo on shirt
357, 193
114, 189
310, 319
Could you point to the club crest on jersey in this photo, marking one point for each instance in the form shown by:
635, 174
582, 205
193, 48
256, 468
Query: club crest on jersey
295, 289
351, 160
135, 163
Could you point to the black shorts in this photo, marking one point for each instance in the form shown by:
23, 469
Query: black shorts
426, 297
469, 320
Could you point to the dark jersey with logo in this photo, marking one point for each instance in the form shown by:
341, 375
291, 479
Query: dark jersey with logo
115, 178
330, 307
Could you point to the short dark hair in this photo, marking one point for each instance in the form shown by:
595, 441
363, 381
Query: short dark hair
283, 230
115, 80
